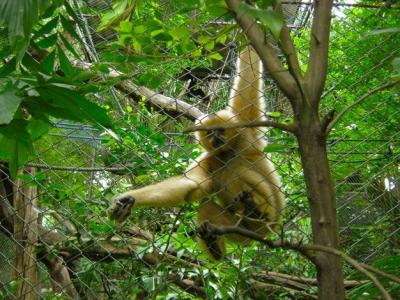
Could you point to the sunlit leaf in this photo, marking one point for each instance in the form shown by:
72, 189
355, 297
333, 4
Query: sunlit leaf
9, 103
271, 19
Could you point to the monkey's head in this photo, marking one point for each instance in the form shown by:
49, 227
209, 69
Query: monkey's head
218, 139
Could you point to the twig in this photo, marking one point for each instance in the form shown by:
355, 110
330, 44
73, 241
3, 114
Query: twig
304, 249
285, 127
362, 98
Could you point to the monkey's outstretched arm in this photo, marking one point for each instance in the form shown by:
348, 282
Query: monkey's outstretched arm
246, 98
170, 192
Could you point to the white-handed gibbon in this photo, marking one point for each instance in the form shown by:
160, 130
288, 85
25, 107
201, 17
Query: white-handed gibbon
233, 168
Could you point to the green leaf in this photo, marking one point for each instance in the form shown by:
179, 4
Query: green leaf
37, 127
150, 80
68, 27
69, 47
215, 56
65, 64
47, 28
39, 108
203, 39
274, 148
30, 63
273, 114
19, 16
48, 41
125, 26
47, 64
15, 145
271, 19
209, 46
74, 103
71, 12
9, 103
216, 8
8, 68
118, 9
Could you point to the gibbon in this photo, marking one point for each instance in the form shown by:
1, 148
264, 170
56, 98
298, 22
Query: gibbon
233, 169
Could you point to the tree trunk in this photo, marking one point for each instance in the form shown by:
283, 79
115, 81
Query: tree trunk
26, 239
321, 196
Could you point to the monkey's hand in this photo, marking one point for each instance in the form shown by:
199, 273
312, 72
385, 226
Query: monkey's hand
210, 239
121, 208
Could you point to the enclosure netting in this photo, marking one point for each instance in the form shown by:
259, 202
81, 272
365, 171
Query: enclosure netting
154, 255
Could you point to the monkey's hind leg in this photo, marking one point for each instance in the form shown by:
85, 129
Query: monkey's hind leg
218, 216
211, 241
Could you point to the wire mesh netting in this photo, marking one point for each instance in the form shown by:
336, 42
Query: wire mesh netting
154, 86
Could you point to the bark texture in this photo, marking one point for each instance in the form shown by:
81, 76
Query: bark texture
26, 238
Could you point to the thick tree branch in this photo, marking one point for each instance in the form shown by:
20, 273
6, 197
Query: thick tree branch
361, 99
318, 59
304, 249
285, 127
160, 102
269, 57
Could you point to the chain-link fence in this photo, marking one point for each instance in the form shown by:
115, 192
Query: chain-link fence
54, 222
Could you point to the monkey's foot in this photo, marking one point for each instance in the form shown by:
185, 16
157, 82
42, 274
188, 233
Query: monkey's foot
210, 239
121, 208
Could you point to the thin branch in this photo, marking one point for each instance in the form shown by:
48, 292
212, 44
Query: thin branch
288, 48
361, 99
304, 249
286, 127
268, 55
380, 273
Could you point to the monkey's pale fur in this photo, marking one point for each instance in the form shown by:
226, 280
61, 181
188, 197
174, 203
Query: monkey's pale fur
233, 162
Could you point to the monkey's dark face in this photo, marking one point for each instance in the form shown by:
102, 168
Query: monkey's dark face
218, 139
